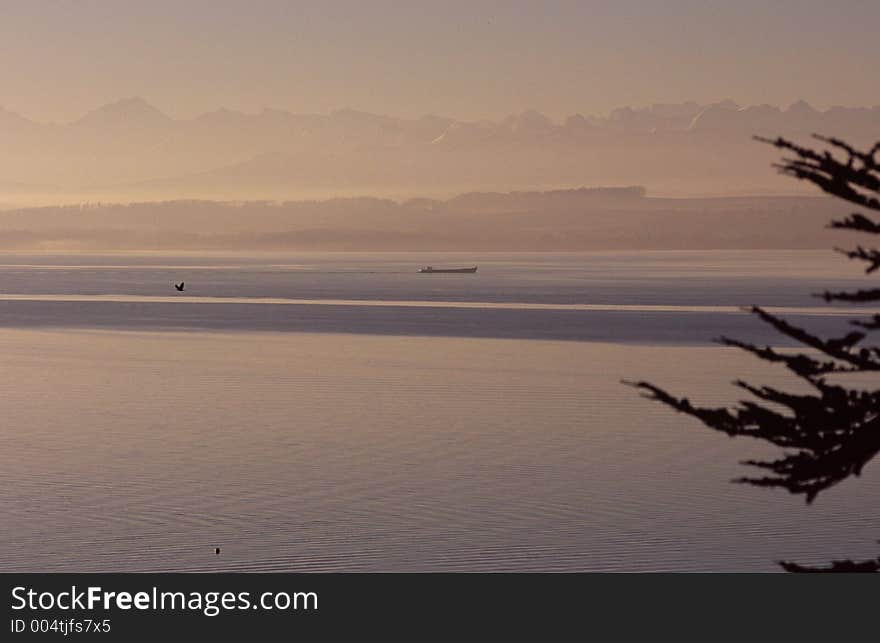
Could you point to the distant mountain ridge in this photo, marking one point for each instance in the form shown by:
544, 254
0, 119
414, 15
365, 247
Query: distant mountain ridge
130, 150
137, 112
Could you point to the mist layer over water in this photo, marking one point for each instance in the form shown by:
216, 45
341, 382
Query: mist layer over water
654, 297
782, 278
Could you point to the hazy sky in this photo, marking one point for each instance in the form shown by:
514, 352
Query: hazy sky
462, 58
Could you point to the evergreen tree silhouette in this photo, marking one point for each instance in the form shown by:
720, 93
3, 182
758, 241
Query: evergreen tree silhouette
833, 432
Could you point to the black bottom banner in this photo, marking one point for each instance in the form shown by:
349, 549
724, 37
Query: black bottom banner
148, 606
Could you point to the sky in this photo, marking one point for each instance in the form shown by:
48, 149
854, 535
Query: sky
464, 59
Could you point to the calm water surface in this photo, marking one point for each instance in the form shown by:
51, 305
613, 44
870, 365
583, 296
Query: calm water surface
339, 412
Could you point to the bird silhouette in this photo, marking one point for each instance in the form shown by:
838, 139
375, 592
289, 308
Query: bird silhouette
217, 551
179, 286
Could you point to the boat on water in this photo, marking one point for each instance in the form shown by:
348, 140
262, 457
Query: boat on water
433, 270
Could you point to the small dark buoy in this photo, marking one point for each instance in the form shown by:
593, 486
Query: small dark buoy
217, 550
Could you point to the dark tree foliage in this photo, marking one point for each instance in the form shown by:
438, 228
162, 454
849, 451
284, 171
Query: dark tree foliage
833, 432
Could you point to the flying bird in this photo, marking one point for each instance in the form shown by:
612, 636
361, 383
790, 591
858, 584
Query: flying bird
216, 551
179, 287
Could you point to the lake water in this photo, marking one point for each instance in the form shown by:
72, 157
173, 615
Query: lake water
340, 412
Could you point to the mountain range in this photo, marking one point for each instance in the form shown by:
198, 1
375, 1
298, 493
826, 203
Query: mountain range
130, 150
